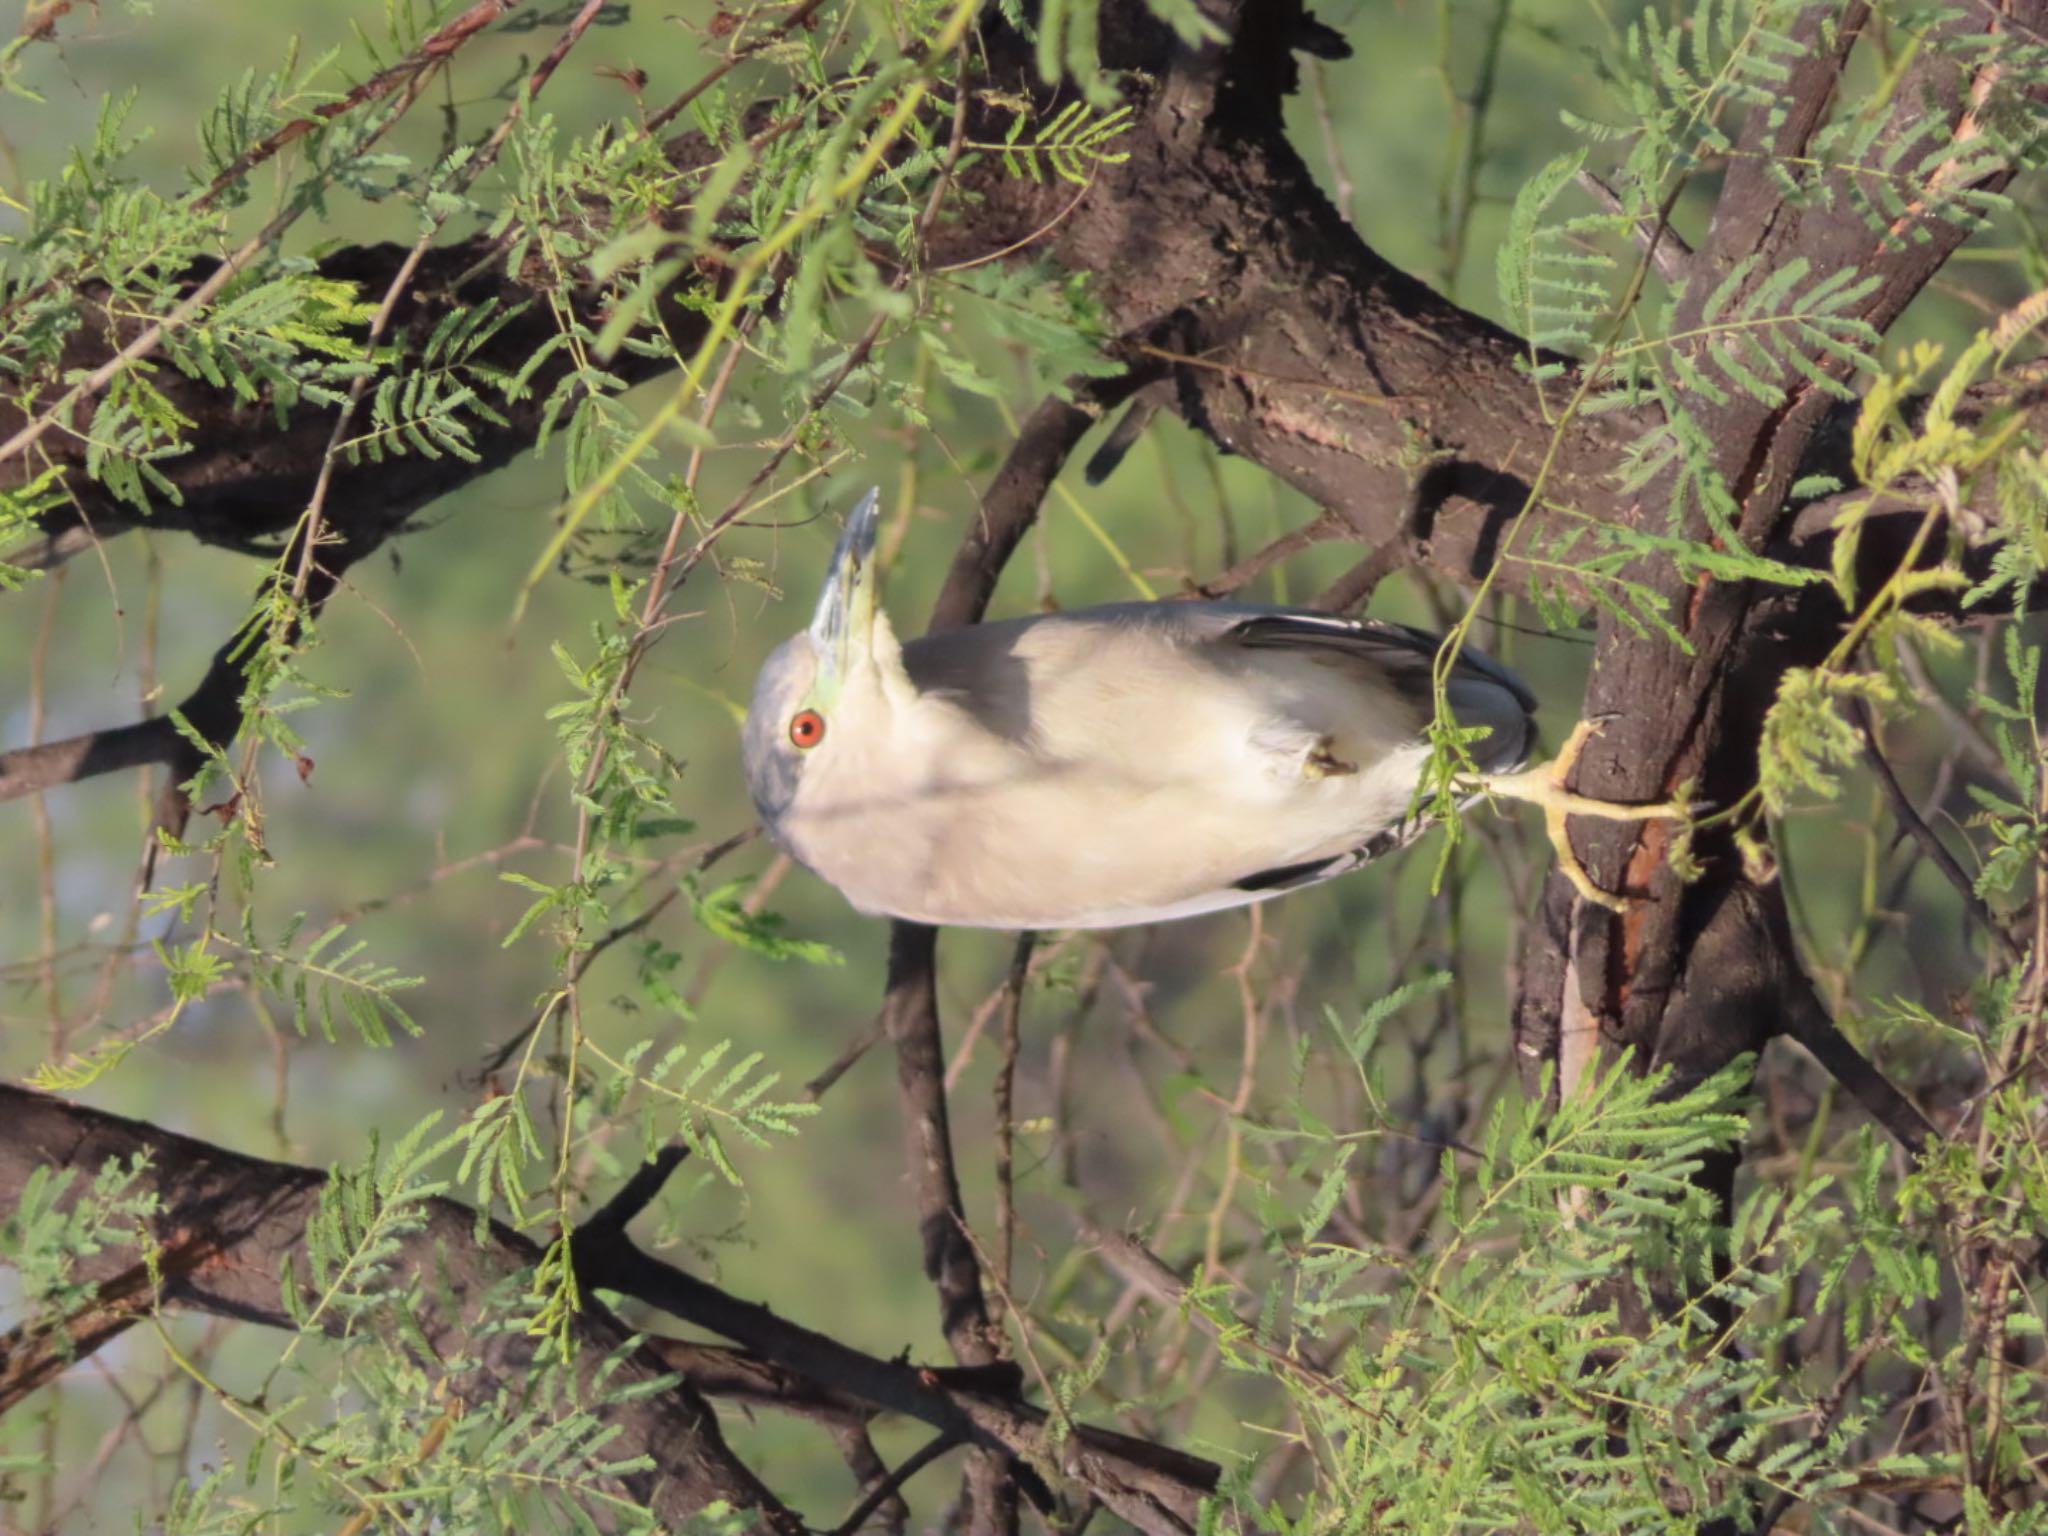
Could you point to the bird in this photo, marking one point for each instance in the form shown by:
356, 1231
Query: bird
1117, 765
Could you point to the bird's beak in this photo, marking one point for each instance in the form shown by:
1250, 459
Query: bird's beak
846, 608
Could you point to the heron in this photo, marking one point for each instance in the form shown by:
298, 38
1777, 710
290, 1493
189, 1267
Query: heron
1117, 765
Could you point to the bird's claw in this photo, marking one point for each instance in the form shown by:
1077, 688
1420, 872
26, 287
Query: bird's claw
1544, 786
1323, 762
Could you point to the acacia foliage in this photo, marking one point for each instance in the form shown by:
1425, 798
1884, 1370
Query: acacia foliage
1538, 1320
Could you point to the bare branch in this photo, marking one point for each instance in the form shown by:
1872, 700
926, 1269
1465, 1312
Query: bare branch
884, 1489
213, 711
1930, 843
1808, 1023
229, 1225
1665, 247
1153, 1488
910, 1011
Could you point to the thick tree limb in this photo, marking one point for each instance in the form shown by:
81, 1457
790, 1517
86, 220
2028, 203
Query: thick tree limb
1696, 716
1151, 1487
230, 1225
1279, 332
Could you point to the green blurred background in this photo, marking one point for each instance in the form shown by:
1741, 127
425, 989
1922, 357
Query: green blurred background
438, 771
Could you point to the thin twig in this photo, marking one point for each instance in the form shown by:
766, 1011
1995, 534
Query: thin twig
406, 71
1248, 570
1006, 1129
799, 17
861, 1044
46, 844
1936, 850
1666, 248
625, 929
857, 1450
1354, 589
1144, 1269
886, 1489
1807, 1022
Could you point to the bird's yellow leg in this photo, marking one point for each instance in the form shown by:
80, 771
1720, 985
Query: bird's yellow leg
1543, 785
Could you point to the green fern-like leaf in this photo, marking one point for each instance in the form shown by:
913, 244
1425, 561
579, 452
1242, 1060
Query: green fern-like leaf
329, 981
1069, 147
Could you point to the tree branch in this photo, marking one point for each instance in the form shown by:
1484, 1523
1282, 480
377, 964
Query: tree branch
1808, 1023
229, 1225
1153, 1488
1915, 826
213, 711
1270, 324
885, 1488
910, 1013
1696, 715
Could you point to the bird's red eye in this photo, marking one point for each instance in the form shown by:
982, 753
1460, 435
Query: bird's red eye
807, 729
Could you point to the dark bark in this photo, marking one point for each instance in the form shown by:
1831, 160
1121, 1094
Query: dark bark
245, 480
230, 1224
1244, 301
1246, 305
1649, 977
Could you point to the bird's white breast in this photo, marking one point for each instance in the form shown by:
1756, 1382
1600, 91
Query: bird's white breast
1104, 775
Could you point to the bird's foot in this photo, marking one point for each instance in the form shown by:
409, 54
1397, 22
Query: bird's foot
1323, 762
1544, 786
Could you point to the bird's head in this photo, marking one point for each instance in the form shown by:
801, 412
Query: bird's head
826, 687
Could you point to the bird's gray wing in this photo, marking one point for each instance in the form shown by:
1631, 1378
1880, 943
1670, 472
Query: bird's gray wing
1481, 690
1405, 654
